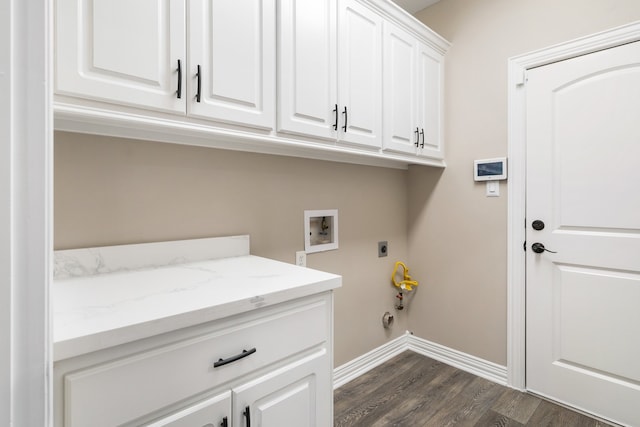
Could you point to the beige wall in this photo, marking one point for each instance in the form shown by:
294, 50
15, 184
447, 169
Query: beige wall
116, 191
457, 236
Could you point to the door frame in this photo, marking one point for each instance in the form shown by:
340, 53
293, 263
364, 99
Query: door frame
26, 205
517, 138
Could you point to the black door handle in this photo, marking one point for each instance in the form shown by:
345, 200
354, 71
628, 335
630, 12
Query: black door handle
224, 422
539, 248
179, 91
247, 415
335, 125
417, 137
422, 133
199, 75
245, 353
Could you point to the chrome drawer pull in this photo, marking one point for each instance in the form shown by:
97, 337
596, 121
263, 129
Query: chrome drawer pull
245, 353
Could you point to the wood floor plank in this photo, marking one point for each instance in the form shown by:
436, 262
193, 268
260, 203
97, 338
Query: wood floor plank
494, 419
412, 390
425, 401
374, 382
516, 405
550, 415
374, 408
466, 408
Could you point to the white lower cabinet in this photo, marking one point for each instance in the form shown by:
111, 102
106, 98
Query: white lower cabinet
286, 397
269, 367
214, 411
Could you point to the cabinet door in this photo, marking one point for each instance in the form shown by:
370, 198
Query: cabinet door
399, 90
430, 102
298, 394
122, 51
307, 67
214, 411
360, 74
233, 43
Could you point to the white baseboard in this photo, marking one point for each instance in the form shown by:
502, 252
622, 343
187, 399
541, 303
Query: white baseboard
466, 362
360, 365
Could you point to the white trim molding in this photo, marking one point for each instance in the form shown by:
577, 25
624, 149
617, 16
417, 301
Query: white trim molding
26, 165
360, 365
517, 70
466, 362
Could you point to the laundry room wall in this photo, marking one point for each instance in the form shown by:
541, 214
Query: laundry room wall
457, 236
111, 191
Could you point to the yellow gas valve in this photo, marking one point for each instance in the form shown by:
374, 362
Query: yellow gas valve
406, 283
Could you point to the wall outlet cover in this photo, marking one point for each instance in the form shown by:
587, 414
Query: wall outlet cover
383, 249
301, 258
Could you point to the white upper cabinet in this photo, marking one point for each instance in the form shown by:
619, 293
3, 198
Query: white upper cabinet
307, 68
401, 131
352, 80
413, 87
359, 74
430, 103
330, 87
232, 44
122, 51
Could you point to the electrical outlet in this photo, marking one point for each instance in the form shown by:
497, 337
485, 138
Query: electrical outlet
301, 258
383, 249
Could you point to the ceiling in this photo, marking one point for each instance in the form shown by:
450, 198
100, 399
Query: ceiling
412, 6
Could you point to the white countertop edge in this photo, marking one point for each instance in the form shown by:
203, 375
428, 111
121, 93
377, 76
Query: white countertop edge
77, 346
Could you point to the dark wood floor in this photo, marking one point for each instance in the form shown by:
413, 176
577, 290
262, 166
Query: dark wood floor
414, 390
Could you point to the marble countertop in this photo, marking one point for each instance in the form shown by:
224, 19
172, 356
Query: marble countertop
96, 311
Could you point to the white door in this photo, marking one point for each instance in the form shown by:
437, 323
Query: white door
307, 68
233, 44
122, 51
430, 102
401, 131
360, 74
583, 177
296, 395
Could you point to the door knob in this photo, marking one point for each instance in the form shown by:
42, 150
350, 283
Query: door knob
539, 248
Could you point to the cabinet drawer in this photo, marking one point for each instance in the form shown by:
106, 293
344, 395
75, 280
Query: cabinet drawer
126, 389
